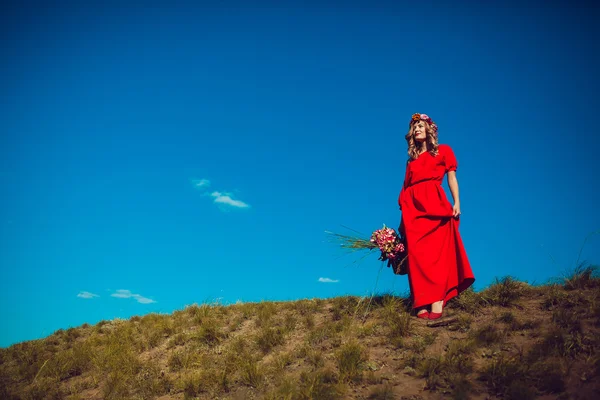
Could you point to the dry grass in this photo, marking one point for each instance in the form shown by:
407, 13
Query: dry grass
510, 340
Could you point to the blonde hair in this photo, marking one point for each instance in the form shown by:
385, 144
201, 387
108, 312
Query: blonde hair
431, 141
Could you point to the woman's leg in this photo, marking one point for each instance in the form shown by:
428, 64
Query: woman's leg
437, 306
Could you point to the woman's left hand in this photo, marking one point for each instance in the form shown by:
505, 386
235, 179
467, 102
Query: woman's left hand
456, 210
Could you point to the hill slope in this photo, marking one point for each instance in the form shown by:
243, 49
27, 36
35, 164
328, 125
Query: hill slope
510, 340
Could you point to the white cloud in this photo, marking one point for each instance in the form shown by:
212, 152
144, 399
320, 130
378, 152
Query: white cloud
122, 294
199, 183
327, 280
126, 294
143, 300
87, 295
225, 198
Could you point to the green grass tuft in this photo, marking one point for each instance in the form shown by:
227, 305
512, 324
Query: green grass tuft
383, 392
268, 338
351, 358
583, 277
504, 292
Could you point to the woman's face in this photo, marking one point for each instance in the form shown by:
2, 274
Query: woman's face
419, 131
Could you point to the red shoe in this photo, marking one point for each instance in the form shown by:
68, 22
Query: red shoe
424, 315
435, 315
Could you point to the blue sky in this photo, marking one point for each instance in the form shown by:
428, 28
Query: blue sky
159, 156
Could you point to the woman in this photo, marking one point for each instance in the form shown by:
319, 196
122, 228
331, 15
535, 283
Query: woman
438, 267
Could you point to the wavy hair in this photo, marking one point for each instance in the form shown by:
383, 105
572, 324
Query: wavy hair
431, 140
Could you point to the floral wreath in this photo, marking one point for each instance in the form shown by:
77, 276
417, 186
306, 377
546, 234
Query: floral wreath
423, 117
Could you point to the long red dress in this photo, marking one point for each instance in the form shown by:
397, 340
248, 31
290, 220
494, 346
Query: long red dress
438, 267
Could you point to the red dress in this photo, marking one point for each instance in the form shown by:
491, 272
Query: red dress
438, 267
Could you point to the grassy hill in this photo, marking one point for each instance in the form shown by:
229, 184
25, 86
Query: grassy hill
511, 340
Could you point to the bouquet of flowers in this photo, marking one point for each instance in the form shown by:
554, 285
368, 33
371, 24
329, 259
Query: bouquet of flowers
391, 246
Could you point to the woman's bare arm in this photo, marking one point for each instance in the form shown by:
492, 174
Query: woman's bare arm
453, 184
